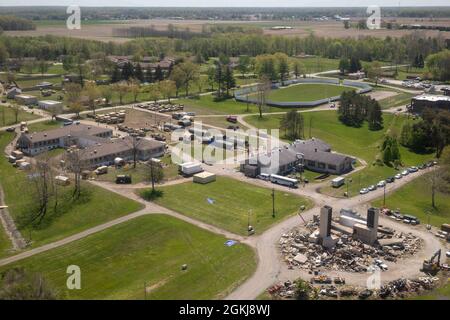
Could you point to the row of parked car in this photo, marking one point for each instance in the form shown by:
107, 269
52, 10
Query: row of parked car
398, 176
162, 108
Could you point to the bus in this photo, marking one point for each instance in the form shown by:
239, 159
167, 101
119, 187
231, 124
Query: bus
284, 181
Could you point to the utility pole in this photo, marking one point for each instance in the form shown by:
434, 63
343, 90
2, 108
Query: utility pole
273, 203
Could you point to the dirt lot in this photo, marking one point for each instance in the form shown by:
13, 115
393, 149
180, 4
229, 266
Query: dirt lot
333, 29
380, 95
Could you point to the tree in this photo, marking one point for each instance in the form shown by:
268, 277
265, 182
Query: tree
76, 165
262, 91
243, 64
297, 69
155, 173
177, 77
158, 73
167, 89
16, 111
303, 290
439, 65
228, 79
265, 66
73, 97
122, 88
18, 284
188, 72
134, 142
293, 125
211, 73
374, 71
92, 94
139, 74
283, 66
29, 66
135, 88
127, 71
153, 91
344, 65
106, 93
43, 66
42, 185
355, 64
116, 76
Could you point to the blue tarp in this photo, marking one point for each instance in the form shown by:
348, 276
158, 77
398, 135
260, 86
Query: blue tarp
230, 243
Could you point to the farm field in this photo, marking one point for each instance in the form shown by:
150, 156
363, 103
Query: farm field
360, 142
94, 207
226, 203
103, 30
7, 116
148, 251
307, 92
415, 199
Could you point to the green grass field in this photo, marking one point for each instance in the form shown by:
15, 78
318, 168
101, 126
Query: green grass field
148, 251
96, 206
415, 198
360, 142
7, 116
307, 92
232, 202
441, 293
44, 125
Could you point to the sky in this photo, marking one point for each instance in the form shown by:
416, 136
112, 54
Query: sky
226, 3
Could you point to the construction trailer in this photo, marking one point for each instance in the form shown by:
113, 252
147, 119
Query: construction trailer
190, 168
337, 182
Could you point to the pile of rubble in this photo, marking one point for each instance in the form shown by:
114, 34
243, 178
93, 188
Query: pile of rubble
348, 255
396, 289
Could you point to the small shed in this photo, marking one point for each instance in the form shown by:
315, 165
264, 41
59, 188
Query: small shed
204, 177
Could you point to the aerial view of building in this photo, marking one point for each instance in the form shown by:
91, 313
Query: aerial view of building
257, 154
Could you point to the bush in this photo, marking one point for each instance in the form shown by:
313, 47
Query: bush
151, 195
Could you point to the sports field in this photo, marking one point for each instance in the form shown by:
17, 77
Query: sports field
307, 92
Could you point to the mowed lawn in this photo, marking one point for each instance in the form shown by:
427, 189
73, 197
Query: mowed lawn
8, 117
148, 251
307, 92
415, 198
359, 142
226, 203
95, 207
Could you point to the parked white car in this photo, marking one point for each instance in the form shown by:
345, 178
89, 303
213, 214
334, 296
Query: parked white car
363, 191
405, 172
398, 176
381, 184
372, 187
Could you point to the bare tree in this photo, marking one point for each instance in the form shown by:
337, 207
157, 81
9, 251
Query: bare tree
133, 142
262, 92
16, 110
75, 165
43, 185
156, 172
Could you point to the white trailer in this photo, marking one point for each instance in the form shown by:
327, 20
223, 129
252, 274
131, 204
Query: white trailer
337, 182
285, 181
190, 168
